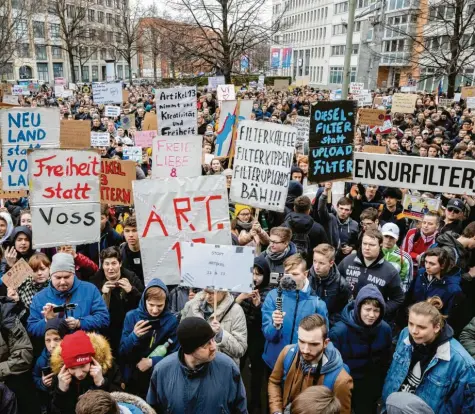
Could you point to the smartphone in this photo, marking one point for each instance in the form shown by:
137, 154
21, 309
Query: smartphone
46, 371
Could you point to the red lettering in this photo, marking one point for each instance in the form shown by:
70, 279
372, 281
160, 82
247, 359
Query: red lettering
208, 210
177, 249
180, 212
115, 195
41, 166
154, 218
104, 180
80, 192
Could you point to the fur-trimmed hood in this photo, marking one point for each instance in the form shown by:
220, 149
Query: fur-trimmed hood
122, 398
101, 346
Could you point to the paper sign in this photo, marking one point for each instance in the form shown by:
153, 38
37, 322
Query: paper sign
176, 111
372, 117
107, 93
177, 156
14, 277
364, 99
281, 85
415, 207
174, 210
468, 91
220, 267
22, 129
20, 90
150, 122
100, 139
262, 163
260, 82
10, 99
132, 153
59, 81
457, 97
404, 103
125, 95
65, 197
144, 138
302, 123
75, 134
58, 90
470, 102
226, 93
11, 194
67, 94
128, 121
111, 111
72, 86
446, 103
116, 182
356, 88
214, 81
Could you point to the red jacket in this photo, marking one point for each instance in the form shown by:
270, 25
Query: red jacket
420, 246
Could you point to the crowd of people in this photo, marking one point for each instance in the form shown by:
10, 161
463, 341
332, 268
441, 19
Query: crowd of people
355, 307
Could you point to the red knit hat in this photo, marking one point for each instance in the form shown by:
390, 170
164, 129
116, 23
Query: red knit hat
77, 349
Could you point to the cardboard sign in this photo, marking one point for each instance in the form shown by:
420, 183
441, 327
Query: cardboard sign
374, 149
100, 139
23, 129
150, 122
112, 111
125, 95
6, 88
440, 175
144, 138
415, 207
58, 90
446, 103
107, 93
214, 81
20, 271
262, 163
372, 117
177, 156
65, 197
132, 153
404, 103
128, 121
10, 99
75, 134
356, 88
470, 101
281, 85
467, 92
174, 210
116, 182
221, 267
176, 111
226, 93
11, 194
332, 130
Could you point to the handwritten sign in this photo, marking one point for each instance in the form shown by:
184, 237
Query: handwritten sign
467, 92
75, 134
116, 182
100, 139
10, 99
150, 122
177, 156
111, 111
11, 194
23, 129
356, 88
144, 138
65, 197
446, 103
372, 117
263, 159
222, 267
214, 81
415, 207
332, 129
174, 210
281, 85
107, 93
470, 102
176, 111
132, 153
20, 271
128, 121
58, 90
20, 90
404, 103
226, 93
302, 123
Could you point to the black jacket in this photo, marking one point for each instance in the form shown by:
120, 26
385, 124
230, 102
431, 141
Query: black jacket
387, 216
132, 261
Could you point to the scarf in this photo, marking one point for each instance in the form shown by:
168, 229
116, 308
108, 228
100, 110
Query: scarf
243, 226
277, 256
28, 289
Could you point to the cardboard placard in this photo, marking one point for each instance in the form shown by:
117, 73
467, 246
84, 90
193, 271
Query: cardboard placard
144, 138
99, 139
281, 85
11, 194
132, 153
415, 207
10, 100
470, 101
226, 93
468, 91
125, 95
176, 111
372, 117
150, 122
404, 103
214, 81
446, 103
128, 121
116, 182
75, 134
20, 271
374, 149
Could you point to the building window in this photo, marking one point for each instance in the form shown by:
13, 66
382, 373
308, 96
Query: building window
42, 69
339, 29
55, 30
109, 18
355, 49
85, 73
336, 74
95, 73
109, 3
118, 37
103, 54
40, 51
92, 33
21, 28
396, 45
398, 4
76, 72
357, 27
110, 36
364, 3
39, 30
338, 50
341, 7
120, 71
127, 71
24, 50
100, 2
100, 17
58, 70
57, 52
94, 55
91, 15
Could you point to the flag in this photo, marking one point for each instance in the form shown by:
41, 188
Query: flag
440, 87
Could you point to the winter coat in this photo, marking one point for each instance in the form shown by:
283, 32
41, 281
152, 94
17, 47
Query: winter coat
132, 403
448, 385
380, 273
214, 387
467, 338
8, 403
132, 261
448, 241
386, 216
41, 362
65, 402
91, 310
333, 290
421, 245
27, 255
233, 324
277, 266
284, 387
296, 305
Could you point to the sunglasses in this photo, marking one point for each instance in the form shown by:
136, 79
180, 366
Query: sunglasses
453, 210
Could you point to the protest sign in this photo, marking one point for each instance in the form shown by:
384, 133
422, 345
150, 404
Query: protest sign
440, 176
176, 111
116, 182
174, 210
10, 99
262, 163
125, 95
111, 111
58, 90
281, 85
404, 103
67, 94
457, 97
150, 122
470, 102
446, 103
356, 88
22, 129
144, 138
128, 121
14, 277
332, 126
107, 93
372, 117
221, 267
260, 82
6, 88
226, 93
177, 156
75, 134
378, 100
11, 194
467, 92
72, 86
65, 198
364, 99
20, 90
414, 207
100, 139
302, 123
374, 149
132, 153
59, 81
214, 81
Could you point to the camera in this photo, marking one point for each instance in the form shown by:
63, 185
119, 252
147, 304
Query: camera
65, 308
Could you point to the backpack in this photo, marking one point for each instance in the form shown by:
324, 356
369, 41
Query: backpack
302, 242
328, 379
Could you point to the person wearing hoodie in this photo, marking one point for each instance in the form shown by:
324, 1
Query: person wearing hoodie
364, 340
15, 206
90, 312
368, 266
406, 403
82, 362
327, 283
145, 328
21, 248
391, 212
297, 174
312, 361
431, 364
295, 190
102, 402
280, 248
6, 227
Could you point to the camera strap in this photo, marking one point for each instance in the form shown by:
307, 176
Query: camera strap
61, 314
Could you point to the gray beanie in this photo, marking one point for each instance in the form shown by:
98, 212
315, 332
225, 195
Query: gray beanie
62, 262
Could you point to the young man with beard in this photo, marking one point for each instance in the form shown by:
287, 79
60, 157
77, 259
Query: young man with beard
130, 250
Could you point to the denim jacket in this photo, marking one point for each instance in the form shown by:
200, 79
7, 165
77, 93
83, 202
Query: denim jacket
448, 384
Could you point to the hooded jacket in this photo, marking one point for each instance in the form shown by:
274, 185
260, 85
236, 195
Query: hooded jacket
386, 216
26, 256
406, 403
448, 241
365, 349
8, 219
131, 402
65, 402
91, 309
380, 273
285, 387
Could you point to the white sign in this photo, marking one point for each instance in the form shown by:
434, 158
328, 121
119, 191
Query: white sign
176, 111
58, 90
20, 90
100, 139
67, 93
65, 198
356, 88
112, 111
471, 102
437, 175
174, 210
226, 93
457, 97
10, 99
263, 159
364, 99
214, 81
302, 123
220, 267
72, 86
132, 153
23, 129
107, 93
177, 156
260, 82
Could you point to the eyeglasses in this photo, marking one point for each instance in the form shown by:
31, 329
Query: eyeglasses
453, 210
275, 242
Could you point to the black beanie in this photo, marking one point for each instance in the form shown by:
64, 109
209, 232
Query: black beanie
192, 333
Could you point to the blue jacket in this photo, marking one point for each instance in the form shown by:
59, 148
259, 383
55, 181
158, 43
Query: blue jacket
448, 385
91, 309
41, 362
296, 305
133, 348
366, 350
215, 387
